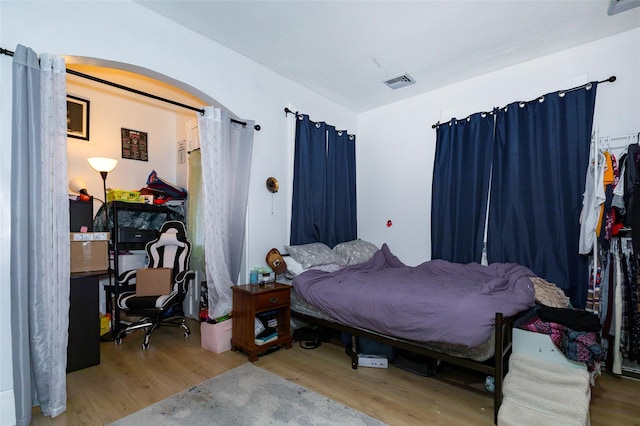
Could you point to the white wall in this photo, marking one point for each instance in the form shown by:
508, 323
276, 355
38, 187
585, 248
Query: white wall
127, 33
397, 144
110, 110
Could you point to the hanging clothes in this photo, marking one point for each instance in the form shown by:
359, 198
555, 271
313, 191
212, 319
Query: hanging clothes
633, 199
617, 354
627, 308
592, 200
611, 197
607, 180
608, 214
618, 192
631, 180
634, 280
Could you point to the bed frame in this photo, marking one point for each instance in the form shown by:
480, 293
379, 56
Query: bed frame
495, 366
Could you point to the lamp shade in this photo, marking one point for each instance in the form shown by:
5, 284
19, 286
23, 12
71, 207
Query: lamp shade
77, 185
102, 164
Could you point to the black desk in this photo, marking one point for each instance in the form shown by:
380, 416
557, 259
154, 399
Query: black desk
83, 349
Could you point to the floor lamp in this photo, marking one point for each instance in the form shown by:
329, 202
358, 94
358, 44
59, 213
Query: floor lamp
103, 166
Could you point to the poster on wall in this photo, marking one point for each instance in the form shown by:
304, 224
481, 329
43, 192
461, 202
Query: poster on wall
77, 117
182, 152
134, 145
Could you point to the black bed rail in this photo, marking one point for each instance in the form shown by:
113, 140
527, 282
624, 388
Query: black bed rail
495, 366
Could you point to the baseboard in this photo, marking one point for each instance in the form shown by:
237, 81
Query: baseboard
7, 408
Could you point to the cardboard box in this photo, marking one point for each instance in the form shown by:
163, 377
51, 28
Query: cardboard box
88, 255
153, 281
216, 337
90, 236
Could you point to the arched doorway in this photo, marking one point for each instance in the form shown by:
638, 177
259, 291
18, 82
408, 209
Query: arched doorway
112, 109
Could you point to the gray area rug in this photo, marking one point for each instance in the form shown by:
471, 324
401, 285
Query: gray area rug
247, 395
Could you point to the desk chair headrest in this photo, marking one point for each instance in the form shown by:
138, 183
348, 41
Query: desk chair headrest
170, 237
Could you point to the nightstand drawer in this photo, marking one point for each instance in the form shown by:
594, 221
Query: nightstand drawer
271, 300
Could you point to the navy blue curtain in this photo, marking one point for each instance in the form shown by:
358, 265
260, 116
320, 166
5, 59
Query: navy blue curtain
460, 188
539, 165
341, 215
324, 185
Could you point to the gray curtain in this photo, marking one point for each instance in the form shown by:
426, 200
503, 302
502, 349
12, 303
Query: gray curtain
226, 149
40, 234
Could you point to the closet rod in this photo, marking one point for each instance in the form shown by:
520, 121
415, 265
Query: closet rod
607, 80
136, 91
629, 136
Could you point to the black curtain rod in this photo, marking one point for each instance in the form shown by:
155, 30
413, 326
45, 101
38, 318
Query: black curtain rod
288, 111
608, 80
136, 91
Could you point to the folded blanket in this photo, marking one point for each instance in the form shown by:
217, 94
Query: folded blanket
543, 393
549, 294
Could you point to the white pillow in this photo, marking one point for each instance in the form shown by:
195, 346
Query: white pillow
293, 266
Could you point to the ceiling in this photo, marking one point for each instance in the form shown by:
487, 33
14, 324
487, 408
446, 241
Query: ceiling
343, 50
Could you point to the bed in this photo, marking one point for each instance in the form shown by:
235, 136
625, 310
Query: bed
460, 314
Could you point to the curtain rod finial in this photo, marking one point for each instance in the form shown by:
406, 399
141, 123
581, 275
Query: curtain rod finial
257, 127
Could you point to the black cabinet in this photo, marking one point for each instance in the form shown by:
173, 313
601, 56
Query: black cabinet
83, 348
131, 225
81, 214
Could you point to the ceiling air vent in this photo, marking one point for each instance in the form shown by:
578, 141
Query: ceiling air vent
617, 6
399, 81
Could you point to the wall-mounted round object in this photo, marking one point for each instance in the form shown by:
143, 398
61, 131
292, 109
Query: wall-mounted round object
272, 185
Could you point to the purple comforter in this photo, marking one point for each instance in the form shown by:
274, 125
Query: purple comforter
436, 301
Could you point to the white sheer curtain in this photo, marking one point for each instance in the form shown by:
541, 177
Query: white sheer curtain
226, 150
40, 234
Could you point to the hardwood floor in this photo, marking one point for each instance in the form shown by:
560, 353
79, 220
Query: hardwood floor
129, 379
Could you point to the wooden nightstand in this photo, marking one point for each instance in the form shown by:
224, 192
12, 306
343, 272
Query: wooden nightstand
252, 299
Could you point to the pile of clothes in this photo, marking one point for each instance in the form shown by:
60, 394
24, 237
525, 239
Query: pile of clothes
574, 332
162, 190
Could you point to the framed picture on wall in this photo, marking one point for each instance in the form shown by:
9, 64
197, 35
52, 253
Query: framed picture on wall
77, 117
134, 144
